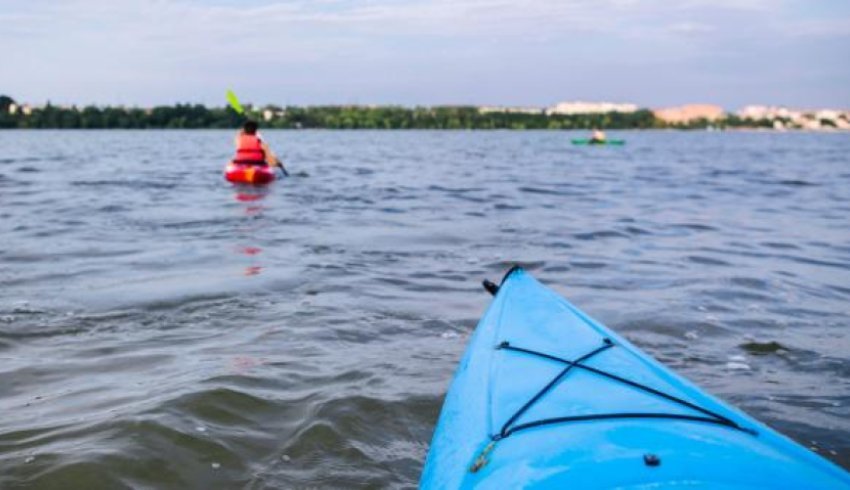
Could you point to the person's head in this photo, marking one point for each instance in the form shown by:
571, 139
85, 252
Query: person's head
250, 127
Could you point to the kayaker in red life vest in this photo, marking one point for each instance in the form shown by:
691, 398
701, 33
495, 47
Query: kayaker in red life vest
251, 149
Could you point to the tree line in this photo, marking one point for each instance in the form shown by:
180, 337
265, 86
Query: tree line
195, 116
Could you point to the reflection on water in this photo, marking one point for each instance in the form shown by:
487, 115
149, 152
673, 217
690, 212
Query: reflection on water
162, 328
251, 196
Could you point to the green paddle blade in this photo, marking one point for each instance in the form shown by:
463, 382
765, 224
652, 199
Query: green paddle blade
234, 102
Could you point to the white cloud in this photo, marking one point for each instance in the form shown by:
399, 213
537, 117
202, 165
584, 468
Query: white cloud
690, 28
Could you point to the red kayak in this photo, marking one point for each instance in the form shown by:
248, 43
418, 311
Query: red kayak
240, 173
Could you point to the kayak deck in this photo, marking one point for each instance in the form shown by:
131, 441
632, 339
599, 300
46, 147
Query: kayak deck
240, 173
546, 397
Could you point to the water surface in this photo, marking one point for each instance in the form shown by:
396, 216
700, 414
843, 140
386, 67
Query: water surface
160, 327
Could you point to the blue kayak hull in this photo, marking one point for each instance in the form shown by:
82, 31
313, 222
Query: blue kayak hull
545, 397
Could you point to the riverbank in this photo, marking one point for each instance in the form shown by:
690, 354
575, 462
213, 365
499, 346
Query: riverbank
186, 116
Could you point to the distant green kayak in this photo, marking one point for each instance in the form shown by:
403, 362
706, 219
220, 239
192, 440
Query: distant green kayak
587, 141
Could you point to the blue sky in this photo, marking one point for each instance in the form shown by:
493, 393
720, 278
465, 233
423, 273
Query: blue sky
506, 52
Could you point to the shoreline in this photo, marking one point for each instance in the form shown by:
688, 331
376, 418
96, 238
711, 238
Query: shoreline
455, 130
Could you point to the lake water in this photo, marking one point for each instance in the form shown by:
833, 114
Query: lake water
160, 327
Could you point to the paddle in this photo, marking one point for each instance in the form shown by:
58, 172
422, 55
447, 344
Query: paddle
236, 106
234, 103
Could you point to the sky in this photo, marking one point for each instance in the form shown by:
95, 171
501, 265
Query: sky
653, 53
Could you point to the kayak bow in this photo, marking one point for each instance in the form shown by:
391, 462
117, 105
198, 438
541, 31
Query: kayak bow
546, 397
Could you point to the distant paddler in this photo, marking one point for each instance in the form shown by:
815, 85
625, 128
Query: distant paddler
597, 137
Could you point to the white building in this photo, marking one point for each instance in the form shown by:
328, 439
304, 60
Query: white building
581, 107
24, 109
830, 114
765, 112
804, 119
510, 110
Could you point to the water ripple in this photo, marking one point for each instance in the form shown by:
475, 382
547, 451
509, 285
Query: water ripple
161, 329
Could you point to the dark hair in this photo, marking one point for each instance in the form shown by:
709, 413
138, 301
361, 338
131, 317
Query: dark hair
250, 127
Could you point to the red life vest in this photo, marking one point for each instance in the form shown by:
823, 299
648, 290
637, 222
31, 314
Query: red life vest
250, 150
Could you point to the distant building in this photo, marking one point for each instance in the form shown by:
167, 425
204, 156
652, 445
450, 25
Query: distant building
510, 110
810, 124
580, 107
828, 114
24, 109
803, 119
757, 112
691, 112
273, 113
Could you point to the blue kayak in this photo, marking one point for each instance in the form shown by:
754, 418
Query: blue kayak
545, 397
